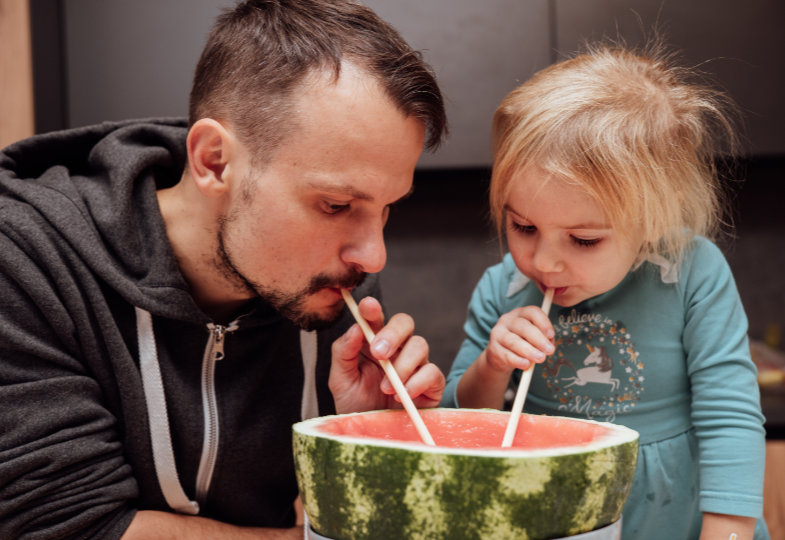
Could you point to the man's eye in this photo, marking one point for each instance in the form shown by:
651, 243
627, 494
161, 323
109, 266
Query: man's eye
329, 207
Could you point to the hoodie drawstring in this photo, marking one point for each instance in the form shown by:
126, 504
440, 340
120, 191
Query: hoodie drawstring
309, 406
163, 453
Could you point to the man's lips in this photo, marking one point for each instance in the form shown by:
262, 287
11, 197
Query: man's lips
329, 291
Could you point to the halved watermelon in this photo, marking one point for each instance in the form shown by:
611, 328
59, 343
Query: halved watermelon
367, 476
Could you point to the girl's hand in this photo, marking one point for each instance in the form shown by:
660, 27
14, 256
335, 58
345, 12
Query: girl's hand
519, 339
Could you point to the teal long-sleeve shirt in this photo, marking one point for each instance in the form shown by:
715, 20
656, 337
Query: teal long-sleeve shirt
665, 353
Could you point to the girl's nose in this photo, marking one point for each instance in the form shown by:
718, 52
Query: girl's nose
546, 257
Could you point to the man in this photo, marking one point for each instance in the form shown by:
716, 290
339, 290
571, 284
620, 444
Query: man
171, 293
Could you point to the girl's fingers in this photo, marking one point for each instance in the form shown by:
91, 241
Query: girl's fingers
520, 338
531, 335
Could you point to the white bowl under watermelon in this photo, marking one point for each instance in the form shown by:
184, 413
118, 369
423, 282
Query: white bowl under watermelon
610, 532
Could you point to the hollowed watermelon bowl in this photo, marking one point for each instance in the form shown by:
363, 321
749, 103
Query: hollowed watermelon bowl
368, 476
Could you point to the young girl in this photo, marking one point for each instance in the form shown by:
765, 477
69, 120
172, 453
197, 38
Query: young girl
605, 189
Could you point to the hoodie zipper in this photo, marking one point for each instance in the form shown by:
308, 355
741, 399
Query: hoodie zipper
213, 353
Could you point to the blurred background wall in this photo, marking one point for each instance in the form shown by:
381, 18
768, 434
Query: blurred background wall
111, 59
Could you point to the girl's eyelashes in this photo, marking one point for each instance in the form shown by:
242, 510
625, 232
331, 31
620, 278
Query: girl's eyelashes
525, 229
585, 242
577, 240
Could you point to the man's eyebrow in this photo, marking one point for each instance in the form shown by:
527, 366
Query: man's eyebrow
342, 189
353, 192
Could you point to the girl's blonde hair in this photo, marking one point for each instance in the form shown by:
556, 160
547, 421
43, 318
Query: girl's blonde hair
632, 130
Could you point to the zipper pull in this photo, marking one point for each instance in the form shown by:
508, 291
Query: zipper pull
219, 332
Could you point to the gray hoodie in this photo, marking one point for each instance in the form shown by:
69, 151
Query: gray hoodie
117, 392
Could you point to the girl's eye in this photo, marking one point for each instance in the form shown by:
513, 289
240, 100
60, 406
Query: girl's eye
333, 208
585, 242
525, 229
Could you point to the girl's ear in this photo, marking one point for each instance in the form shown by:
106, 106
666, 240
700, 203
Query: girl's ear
210, 147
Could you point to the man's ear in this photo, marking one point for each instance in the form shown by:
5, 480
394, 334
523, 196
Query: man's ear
210, 148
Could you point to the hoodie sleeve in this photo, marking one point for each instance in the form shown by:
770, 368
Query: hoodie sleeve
62, 469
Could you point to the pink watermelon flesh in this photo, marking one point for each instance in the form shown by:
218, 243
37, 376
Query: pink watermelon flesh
468, 429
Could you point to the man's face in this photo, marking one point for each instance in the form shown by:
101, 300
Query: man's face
311, 219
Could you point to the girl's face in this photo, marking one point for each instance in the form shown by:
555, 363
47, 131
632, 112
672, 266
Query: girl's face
561, 239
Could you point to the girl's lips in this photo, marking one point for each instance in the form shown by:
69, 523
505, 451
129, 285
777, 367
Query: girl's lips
556, 290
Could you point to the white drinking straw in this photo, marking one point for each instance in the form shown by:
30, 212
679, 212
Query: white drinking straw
523, 386
400, 389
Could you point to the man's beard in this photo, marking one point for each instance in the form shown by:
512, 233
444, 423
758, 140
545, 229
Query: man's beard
290, 305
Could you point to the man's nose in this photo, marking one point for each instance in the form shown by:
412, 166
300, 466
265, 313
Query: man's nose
367, 250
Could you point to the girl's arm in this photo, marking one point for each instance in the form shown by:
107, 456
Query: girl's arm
726, 527
483, 386
725, 397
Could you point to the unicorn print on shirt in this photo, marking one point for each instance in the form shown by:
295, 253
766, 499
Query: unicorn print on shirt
609, 376
599, 370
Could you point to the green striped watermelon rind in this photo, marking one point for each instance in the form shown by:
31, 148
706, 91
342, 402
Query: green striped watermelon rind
357, 488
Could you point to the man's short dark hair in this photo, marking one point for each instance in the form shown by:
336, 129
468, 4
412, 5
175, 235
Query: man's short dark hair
259, 53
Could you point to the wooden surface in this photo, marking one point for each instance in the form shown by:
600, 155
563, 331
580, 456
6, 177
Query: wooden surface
774, 489
16, 72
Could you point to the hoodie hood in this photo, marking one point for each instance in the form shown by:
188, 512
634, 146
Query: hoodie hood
96, 188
